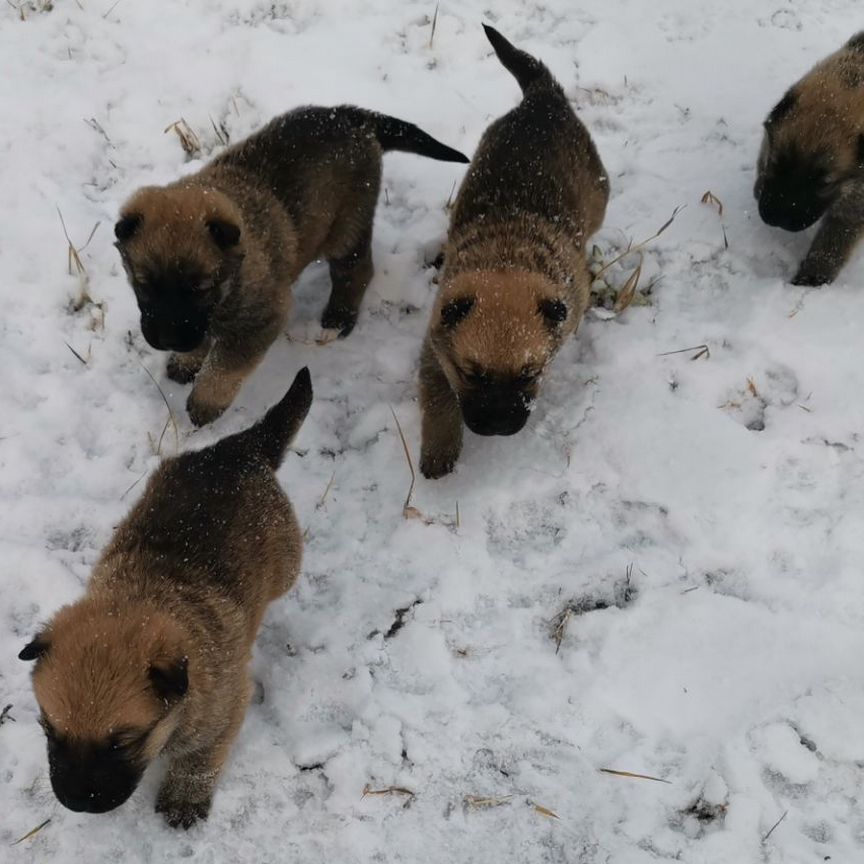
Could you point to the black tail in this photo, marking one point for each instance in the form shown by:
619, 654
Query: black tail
272, 434
394, 134
527, 70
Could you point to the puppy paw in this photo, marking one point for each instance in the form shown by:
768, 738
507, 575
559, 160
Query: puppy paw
339, 318
179, 370
182, 814
201, 413
813, 275
433, 467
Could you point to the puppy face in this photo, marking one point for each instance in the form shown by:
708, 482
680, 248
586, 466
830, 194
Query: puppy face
811, 148
181, 246
109, 685
494, 334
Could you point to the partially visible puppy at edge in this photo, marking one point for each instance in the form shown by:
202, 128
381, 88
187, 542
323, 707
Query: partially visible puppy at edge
153, 659
515, 280
212, 257
811, 165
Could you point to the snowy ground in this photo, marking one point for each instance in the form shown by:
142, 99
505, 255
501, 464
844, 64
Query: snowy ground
730, 487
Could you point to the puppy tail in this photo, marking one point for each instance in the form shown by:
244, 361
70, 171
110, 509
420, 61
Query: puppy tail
527, 70
395, 134
272, 434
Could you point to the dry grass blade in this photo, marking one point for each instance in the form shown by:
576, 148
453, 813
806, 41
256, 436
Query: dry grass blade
387, 790
633, 775
559, 626
701, 351
628, 292
710, 198
171, 419
111, 8
221, 132
83, 361
751, 388
31, 833
477, 802
448, 205
774, 826
434, 25
630, 249
408, 511
545, 811
323, 498
188, 139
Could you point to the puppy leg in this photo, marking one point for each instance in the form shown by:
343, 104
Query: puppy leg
186, 793
182, 368
350, 276
441, 432
227, 366
841, 229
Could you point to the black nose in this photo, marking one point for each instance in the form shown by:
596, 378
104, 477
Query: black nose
170, 334
496, 411
90, 800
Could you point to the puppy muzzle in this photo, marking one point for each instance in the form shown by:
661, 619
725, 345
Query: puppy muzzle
496, 411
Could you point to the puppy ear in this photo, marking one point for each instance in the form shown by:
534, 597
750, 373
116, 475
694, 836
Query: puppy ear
35, 649
224, 234
455, 311
782, 109
554, 311
126, 227
170, 680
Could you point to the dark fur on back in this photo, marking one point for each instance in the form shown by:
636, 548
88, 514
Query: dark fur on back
811, 163
515, 281
212, 257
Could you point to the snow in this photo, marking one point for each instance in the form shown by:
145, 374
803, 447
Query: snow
730, 487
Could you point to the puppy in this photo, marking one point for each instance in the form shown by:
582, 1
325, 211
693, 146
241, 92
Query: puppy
153, 659
811, 164
212, 257
515, 280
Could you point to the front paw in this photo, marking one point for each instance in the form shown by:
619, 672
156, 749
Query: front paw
339, 318
179, 370
435, 465
200, 412
181, 813
813, 275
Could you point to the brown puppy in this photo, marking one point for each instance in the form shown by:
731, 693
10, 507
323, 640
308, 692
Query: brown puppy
153, 659
811, 165
212, 257
515, 280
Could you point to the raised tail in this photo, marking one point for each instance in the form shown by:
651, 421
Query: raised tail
271, 435
527, 70
395, 134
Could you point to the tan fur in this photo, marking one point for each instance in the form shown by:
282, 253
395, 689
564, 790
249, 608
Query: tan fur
813, 151
535, 191
185, 581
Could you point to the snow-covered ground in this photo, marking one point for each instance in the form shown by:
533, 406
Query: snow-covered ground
730, 487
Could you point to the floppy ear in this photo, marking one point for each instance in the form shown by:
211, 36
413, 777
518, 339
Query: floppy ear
170, 680
126, 227
35, 649
554, 311
455, 311
224, 234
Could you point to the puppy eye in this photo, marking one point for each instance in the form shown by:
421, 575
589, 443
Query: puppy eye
478, 377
